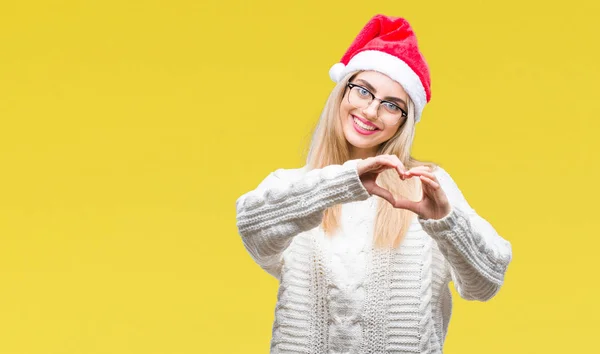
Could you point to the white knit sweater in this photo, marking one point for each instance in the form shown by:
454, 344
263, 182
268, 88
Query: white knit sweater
340, 294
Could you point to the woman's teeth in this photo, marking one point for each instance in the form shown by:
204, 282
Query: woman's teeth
363, 125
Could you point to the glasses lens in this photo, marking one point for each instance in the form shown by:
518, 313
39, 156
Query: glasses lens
359, 97
389, 118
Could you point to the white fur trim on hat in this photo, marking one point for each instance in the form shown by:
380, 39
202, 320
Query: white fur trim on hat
389, 65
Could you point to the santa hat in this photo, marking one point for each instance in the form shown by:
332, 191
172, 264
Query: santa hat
388, 45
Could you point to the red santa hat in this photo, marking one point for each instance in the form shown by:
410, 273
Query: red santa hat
389, 45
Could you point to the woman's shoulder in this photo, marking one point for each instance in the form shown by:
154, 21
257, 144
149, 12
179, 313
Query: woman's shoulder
444, 177
440, 172
449, 185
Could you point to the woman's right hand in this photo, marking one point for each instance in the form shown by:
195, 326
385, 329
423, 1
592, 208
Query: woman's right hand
370, 168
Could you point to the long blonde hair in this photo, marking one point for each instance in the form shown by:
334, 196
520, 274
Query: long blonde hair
329, 146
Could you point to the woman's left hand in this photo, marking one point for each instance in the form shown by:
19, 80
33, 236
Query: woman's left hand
433, 204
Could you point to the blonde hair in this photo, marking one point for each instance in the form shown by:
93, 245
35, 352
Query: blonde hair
329, 146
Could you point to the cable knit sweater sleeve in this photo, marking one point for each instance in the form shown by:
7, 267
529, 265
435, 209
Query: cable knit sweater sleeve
477, 256
289, 202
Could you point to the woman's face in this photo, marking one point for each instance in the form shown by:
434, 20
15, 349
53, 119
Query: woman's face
365, 142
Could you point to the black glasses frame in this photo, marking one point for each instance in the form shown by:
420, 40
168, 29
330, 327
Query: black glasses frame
373, 98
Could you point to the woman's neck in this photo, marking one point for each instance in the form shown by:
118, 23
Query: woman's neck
358, 153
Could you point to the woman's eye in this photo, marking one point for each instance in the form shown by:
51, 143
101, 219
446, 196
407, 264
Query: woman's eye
363, 92
392, 107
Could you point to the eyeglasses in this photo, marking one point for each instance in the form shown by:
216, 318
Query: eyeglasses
362, 98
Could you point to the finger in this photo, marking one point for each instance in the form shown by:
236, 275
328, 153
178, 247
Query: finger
385, 166
376, 164
380, 169
387, 158
385, 163
396, 161
422, 172
421, 168
430, 182
399, 166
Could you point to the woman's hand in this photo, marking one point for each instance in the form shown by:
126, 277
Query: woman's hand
433, 204
370, 168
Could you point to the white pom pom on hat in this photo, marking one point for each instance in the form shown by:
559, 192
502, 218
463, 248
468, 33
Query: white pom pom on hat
389, 45
336, 71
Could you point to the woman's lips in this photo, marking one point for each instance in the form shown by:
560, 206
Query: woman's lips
360, 130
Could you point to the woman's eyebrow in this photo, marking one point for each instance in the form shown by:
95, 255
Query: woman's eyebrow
388, 98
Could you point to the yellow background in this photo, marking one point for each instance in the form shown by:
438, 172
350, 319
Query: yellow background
129, 128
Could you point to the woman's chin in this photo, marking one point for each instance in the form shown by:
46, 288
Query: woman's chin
360, 141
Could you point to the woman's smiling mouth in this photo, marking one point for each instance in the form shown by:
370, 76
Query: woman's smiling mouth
363, 127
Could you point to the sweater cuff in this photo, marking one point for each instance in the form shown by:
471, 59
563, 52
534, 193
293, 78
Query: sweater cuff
354, 183
437, 228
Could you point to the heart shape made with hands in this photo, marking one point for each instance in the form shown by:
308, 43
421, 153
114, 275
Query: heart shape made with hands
433, 202
369, 180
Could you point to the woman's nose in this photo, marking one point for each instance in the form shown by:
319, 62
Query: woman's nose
371, 110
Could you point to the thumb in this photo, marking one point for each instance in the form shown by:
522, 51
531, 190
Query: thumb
383, 193
404, 203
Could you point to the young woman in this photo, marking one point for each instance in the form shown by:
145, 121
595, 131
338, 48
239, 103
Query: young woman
365, 239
